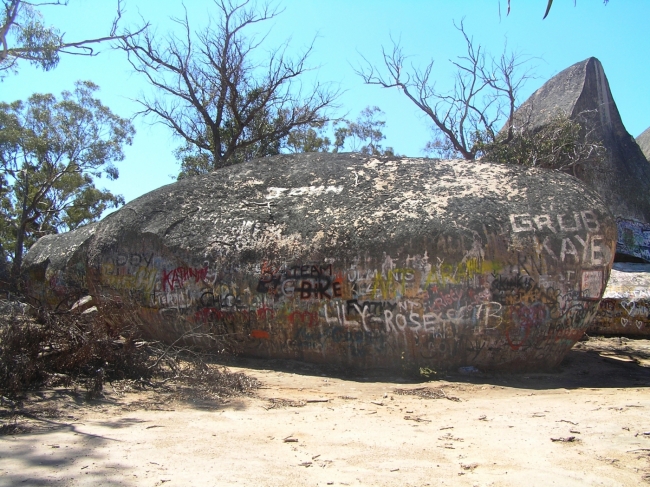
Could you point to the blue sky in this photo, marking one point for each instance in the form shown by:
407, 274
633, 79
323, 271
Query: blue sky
617, 34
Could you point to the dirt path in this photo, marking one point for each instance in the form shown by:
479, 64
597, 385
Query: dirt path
309, 427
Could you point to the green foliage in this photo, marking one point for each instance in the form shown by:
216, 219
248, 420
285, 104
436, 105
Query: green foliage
199, 158
365, 134
427, 373
25, 36
51, 152
561, 144
227, 103
308, 139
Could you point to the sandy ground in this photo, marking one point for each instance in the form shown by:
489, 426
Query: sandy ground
312, 426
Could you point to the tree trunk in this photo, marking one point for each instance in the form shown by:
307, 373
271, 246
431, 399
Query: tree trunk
18, 256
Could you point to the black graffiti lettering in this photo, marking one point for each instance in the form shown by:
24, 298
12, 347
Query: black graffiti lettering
322, 288
305, 290
318, 288
518, 281
208, 300
148, 261
336, 288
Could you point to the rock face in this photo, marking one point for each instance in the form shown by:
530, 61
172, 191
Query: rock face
55, 268
625, 308
633, 239
582, 92
644, 143
359, 261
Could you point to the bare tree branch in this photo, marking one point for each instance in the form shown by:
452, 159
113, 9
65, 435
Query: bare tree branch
484, 94
214, 95
548, 7
23, 36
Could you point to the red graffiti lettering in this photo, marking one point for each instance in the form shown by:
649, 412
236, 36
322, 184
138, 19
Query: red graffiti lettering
176, 278
264, 312
208, 315
304, 318
516, 346
260, 334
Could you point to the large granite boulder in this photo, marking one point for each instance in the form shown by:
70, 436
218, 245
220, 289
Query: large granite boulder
362, 261
644, 143
622, 177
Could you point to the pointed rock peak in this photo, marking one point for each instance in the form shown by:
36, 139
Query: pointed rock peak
644, 143
581, 91
580, 88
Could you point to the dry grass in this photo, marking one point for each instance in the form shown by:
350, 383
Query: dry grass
426, 393
277, 403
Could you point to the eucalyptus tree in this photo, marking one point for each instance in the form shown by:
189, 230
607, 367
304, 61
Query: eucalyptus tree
25, 36
52, 151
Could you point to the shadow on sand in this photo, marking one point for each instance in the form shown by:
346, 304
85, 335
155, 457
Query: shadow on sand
595, 363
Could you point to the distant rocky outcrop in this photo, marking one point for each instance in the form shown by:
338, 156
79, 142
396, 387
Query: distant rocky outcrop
644, 143
622, 177
625, 307
352, 259
55, 267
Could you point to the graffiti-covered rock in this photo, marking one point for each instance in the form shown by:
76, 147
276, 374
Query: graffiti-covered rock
625, 307
633, 239
364, 261
622, 176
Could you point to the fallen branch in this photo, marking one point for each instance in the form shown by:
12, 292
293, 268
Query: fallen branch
568, 439
567, 421
416, 419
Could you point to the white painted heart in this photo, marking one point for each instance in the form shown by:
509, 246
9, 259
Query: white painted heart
628, 306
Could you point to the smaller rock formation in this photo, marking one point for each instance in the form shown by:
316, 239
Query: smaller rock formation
644, 143
633, 239
55, 268
625, 307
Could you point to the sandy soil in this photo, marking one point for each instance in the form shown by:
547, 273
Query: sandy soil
312, 426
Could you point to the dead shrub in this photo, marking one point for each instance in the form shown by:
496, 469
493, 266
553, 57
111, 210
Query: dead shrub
61, 347
426, 393
197, 376
46, 348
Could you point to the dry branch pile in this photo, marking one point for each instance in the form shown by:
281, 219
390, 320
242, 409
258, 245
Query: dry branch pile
40, 348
